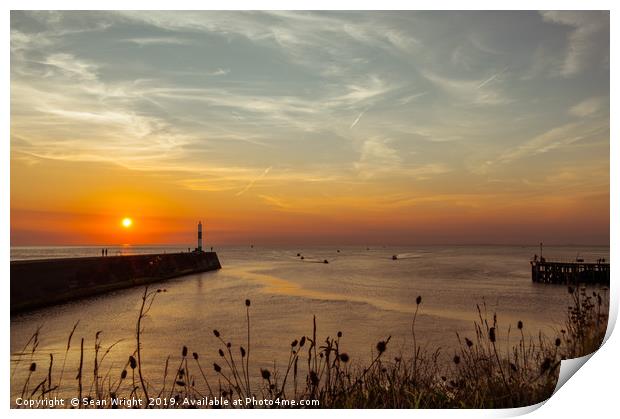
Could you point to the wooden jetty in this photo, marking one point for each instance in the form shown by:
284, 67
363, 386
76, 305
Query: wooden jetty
578, 272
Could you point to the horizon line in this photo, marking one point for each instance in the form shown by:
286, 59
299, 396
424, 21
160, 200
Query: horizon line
309, 244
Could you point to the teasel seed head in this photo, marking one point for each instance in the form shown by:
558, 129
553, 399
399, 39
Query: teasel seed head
314, 378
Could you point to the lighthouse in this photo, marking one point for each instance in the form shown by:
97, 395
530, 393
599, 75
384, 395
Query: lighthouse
199, 236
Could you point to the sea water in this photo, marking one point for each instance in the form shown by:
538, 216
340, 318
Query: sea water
362, 292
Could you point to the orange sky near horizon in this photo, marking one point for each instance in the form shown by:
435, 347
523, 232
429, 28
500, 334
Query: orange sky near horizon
60, 203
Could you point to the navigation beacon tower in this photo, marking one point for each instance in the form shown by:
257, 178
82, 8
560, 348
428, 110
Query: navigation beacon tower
199, 236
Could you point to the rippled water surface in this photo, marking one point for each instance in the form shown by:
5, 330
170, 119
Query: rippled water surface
361, 292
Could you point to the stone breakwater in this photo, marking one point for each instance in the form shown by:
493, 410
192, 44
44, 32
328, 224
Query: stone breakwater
40, 283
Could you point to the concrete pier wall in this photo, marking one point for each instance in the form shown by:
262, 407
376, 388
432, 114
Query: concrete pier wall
39, 283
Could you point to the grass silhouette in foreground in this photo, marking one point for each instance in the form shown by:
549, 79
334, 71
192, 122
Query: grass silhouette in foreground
481, 374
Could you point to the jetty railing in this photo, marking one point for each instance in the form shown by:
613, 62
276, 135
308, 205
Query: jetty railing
570, 272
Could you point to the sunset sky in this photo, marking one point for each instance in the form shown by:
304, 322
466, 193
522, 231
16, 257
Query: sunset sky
310, 127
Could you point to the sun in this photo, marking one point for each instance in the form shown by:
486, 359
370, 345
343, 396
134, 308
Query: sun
127, 222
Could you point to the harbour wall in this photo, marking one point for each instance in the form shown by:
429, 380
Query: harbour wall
40, 283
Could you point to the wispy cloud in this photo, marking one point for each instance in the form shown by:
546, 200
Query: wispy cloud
163, 40
71, 66
553, 139
410, 98
473, 92
586, 107
219, 72
377, 157
365, 91
278, 203
253, 181
583, 40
